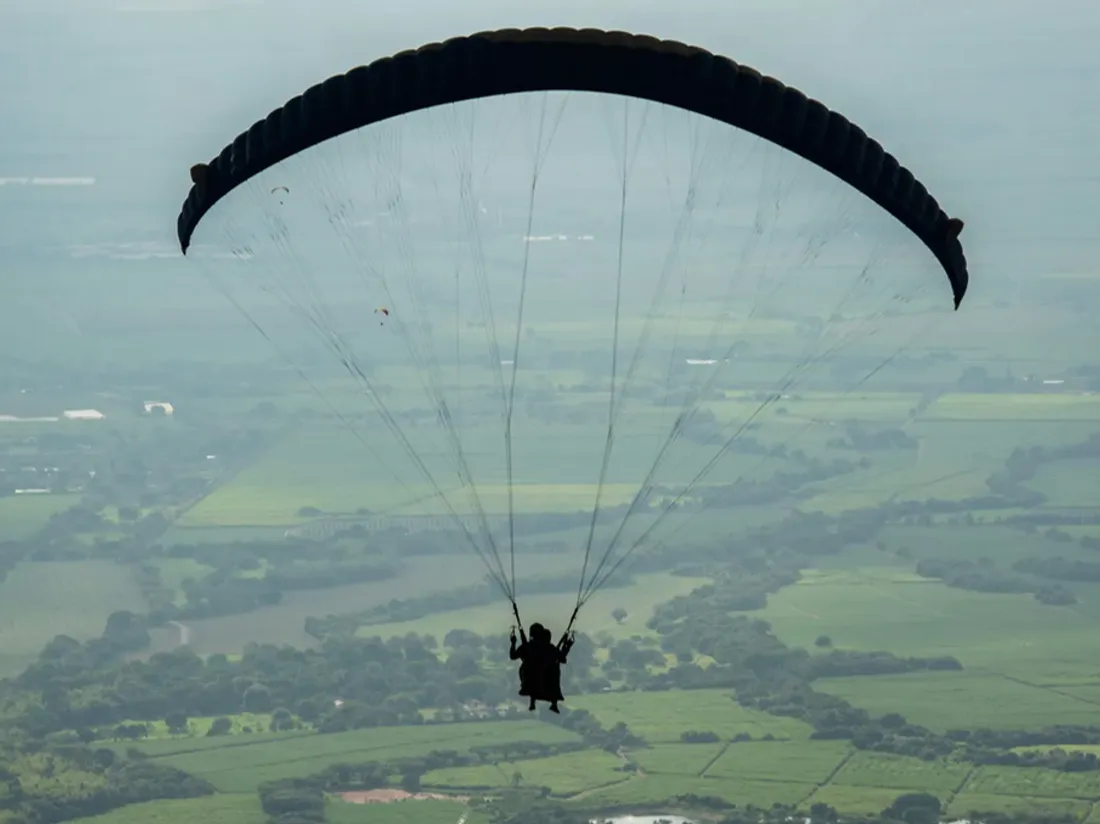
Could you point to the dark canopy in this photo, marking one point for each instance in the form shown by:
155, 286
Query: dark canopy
514, 61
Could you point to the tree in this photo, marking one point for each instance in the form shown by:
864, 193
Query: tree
822, 814
126, 631
282, 719
176, 722
257, 698
823, 641
220, 726
914, 808
619, 614
104, 757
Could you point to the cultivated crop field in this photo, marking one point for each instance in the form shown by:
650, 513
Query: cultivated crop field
557, 467
243, 768
1000, 544
967, 802
325, 466
1071, 483
426, 811
171, 745
1040, 406
896, 772
565, 774
1012, 635
678, 759
1035, 783
211, 809
812, 761
41, 599
662, 717
963, 700
23, 515
284, 623
657, 789
854, 800
638, 600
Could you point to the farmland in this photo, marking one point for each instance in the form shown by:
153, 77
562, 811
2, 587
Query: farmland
1010, 635
216, 809
1026, 664
950, 700
556, 467
39, 600
964, 437
638, 600
22, 515
859, 521
283, 623
662, 717
566, 774
243, 768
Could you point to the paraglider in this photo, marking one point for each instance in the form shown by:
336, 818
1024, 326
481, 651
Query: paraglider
726, 97
541, 661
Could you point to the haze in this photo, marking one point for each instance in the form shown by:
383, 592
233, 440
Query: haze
268, 512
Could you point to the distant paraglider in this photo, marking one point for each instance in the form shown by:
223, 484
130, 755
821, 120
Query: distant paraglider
280, 189
384, 312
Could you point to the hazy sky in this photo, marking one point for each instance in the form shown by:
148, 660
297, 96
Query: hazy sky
991, 102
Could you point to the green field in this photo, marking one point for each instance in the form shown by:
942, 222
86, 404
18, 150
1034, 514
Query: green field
963, 700
898, 773
244, 725
949, 482
967, 802
1035, 783
812, 761
645, 790
565, 774
284, 622
957, 454
854, 800
678, 759
1053, 407
244, 808
882, 407
1068, 483
213, 809
1000, 544
39, 600
556, 470
22, 515
426, 811
638, 600
238, 769
662, 717
170, 745
556, 464
1012, 635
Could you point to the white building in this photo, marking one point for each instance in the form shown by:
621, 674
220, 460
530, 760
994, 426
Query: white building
83, 415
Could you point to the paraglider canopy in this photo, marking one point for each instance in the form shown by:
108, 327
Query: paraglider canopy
510, 61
